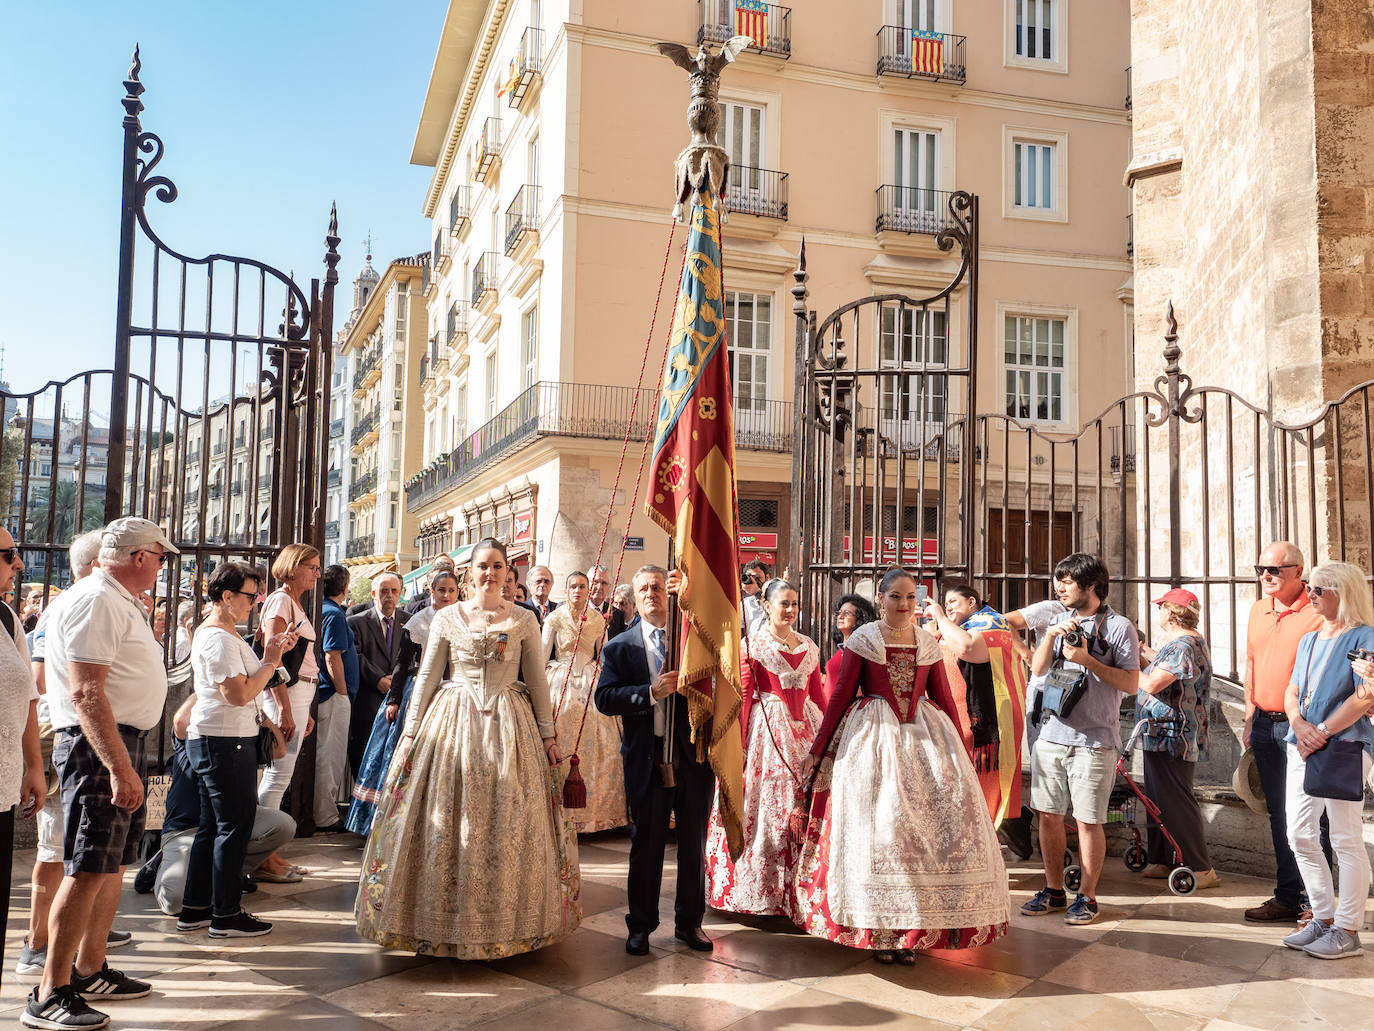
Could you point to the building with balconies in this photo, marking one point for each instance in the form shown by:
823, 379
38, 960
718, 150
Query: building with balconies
552, 127
386, 348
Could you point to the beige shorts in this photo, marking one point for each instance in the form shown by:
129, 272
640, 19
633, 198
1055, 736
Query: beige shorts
50, 830
1072, 778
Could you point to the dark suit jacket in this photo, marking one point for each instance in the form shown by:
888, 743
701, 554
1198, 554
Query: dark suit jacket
624, 690
374, 659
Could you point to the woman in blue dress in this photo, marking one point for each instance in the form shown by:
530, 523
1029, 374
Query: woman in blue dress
391, 717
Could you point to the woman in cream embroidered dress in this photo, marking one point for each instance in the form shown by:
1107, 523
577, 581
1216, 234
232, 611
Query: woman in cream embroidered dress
572, 676
899, 852
470, 854
783, 694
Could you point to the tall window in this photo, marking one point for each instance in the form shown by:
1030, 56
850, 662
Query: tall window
741, 134
402, 292
1035, 30
491, 386
749, 332
1034, 358
915, 342
529, 348
441, 425
532, 162
916, 176
460, 414
1033, 174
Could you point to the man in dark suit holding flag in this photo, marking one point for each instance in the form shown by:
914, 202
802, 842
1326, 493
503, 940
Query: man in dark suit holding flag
635, 686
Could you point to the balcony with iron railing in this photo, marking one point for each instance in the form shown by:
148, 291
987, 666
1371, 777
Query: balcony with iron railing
757, 191
528, 70
917, 54
336, 428
358, 547
768, 25
586, 410
908, 209
456, 324
217, 450
484, 281
369, 361
364, 425
331, 530
215, 492
441, 251
426, 369
522, 220
438, 351
363, 485
334, 478
459, 210
486, 152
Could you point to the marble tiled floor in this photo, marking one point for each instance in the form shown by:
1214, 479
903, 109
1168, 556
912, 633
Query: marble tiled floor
1151, 962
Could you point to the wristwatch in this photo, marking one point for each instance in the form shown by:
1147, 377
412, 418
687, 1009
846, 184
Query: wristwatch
1322, 727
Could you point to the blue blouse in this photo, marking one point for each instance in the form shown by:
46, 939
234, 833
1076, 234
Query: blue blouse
1185, 701
1325, 680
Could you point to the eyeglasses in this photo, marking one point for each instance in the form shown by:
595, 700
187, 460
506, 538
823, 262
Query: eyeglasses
9, 554
255, 595
1274, 570
161, 556
1313, 591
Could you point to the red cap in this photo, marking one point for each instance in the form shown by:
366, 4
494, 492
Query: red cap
1179, 596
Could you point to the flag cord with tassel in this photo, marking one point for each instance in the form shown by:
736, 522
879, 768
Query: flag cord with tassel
574, 787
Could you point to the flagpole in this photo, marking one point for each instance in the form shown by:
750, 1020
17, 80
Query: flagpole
667, 767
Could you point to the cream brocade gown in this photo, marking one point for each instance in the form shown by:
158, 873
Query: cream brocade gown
470, 853
572, 679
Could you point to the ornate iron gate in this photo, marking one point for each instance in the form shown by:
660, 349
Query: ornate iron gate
1179, 485
213, 421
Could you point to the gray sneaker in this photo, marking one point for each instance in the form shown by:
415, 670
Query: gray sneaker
1306, 935
1336, 943
31, 961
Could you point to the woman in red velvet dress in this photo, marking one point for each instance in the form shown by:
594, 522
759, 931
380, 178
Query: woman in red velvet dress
784, 695
898, 853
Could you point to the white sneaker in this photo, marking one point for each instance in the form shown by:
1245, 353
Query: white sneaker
1336, 943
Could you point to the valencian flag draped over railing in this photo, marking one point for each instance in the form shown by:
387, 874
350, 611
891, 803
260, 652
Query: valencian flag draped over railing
927, 52
691, 495
751, 19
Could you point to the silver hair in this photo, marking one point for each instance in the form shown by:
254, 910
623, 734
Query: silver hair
83, 552
113, 557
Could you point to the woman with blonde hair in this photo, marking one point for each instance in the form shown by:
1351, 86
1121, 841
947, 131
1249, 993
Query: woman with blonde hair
296, 568
1330, 744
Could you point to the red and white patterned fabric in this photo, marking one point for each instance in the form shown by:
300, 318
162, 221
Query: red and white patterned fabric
899, 851
782, 690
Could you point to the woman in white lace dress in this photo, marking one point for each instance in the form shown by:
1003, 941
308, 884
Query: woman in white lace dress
572, 671
470, 854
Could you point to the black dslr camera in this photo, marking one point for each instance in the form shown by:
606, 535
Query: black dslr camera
1073, 637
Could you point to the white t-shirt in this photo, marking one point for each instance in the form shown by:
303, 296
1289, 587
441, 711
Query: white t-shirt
101, 623
17, 690
217, 655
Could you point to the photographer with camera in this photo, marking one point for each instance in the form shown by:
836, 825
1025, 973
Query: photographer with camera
1085, 660
752, 576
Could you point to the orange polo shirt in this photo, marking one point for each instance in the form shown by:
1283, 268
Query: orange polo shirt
1271, 648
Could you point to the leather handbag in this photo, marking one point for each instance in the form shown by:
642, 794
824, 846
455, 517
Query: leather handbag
1335, 771
271, 746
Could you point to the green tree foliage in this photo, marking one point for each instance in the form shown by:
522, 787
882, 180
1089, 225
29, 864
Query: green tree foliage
61, 509
359, 590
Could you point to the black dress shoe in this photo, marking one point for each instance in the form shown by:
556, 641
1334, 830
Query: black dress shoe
637, 944
695, 938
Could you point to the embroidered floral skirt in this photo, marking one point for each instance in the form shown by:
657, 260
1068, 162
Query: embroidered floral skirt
899, 850
598, 753
470, 853
761, 882
381, 745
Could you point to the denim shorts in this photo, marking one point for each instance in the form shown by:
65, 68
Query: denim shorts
98, 836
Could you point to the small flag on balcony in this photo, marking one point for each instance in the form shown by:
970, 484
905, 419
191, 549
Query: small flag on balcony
511, 80
927, 52
751, 19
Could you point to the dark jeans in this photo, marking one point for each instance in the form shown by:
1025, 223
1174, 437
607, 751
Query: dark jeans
1169, 785
1271, 760
228, 772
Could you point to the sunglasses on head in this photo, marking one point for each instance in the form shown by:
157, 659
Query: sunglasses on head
1273, 570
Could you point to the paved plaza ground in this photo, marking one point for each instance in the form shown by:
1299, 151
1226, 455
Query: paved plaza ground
1151, 962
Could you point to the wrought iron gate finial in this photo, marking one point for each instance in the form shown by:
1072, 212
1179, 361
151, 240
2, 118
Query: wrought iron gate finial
331, 240
799, 291
702, 161
132, 90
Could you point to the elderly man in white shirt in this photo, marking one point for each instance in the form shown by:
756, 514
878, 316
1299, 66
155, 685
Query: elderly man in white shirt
106, 689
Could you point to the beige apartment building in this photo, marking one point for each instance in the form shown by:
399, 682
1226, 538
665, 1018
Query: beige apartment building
383, 346
552, 128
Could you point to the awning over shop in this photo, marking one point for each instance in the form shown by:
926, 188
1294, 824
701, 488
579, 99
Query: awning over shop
367, 570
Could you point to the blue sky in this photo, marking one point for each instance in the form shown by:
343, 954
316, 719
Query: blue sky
269, 111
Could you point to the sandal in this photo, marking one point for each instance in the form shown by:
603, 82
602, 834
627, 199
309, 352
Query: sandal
291, 876
885, 957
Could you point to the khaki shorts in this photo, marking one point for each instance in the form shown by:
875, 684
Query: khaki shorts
50, 830
1073, 778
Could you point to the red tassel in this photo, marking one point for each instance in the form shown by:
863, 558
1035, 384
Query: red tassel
574, 788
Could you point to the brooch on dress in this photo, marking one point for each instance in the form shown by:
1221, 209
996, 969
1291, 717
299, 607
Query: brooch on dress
500, 647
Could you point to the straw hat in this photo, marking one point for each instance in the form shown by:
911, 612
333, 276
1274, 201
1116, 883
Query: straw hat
1246, 783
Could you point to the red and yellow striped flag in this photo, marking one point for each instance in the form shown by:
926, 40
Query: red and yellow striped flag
751, 19
692, 495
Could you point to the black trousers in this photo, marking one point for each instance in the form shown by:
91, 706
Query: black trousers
651, 805
1169, 784
7, 859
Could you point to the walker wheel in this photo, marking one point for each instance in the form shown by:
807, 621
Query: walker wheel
1134, 858
1068, 858
1182, 881
1073, 878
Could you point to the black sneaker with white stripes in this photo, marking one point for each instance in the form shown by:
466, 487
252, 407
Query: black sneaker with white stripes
63, 1008
193, 918
240, 925
109, 985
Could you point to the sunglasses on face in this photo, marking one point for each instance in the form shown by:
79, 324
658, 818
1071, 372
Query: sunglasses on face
1273, 570
8, 555
1314, 591
161, 556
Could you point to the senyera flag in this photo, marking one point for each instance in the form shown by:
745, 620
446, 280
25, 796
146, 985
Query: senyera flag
927, 52
691, 495
751, 19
